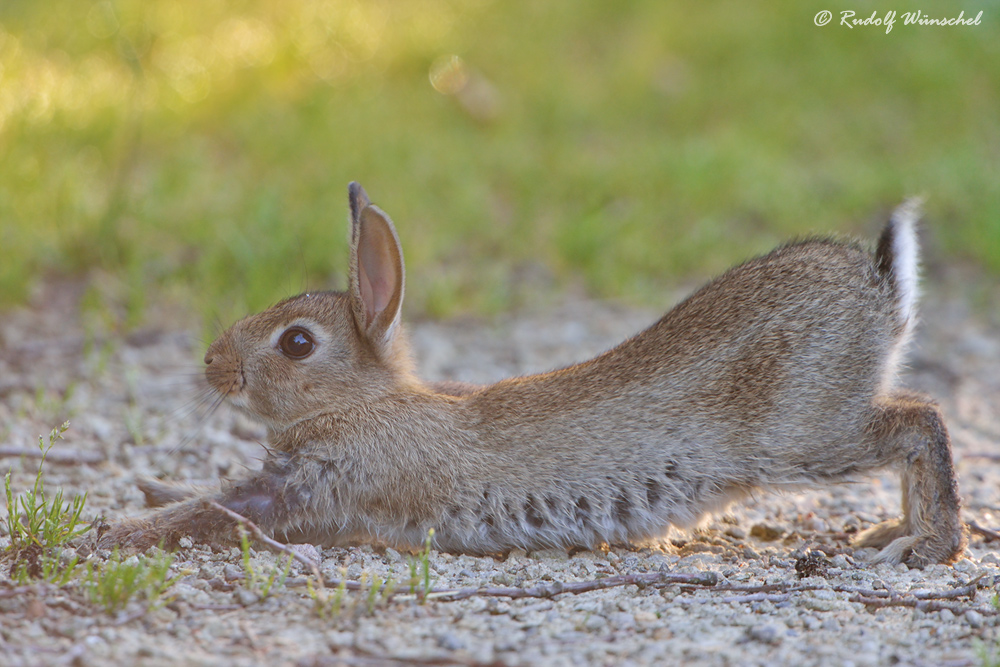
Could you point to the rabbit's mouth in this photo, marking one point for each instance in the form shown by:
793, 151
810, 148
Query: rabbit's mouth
228, 380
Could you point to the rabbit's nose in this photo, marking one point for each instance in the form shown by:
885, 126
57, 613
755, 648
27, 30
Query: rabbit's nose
209, 358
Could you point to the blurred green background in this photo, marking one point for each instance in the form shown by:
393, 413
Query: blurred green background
199, 151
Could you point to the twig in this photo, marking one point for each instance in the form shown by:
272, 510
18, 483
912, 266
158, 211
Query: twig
960, 592
989, 456
922, 605
548, 590
19, 591
217, 607
64, 456
259, 534
577, 587
990, 535
752, 597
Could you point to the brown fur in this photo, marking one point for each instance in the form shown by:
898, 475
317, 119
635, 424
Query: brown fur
777, 374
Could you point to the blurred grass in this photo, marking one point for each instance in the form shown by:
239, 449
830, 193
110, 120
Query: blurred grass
202, 149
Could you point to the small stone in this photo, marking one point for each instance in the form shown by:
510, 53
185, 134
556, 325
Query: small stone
767, 633
965, 565
246, 598
307, 551
766, 533
974, 618
992, 558
594, 623
819, 605
946, 615
232, 573
450, 642
736, 532
645, 617
185, 542
841, 562
814, 524
622, 620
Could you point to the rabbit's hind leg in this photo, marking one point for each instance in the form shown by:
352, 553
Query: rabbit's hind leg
908, 430
159, 493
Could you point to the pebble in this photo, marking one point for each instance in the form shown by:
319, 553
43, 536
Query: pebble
974, 618
768, 633
307, 551
622, 620
991, 558
966, 565
841, 561
245, 597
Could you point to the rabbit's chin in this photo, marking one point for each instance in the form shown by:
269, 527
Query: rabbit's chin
242, 406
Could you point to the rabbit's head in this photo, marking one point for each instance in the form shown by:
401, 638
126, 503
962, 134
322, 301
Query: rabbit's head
322, 351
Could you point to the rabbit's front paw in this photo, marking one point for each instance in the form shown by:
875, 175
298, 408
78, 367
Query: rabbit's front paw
133, 535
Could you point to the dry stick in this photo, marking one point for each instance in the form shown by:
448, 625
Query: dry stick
752, 597
66, 456
789, 587
922, 605
259, 534
576, 587
18, 591
982, 455
990, 535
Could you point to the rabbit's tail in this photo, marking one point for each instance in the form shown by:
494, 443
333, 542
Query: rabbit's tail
898, 260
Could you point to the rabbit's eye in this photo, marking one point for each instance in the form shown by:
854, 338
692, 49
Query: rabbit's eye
296, 343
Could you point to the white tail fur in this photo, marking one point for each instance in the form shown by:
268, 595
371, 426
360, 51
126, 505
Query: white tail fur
906, 259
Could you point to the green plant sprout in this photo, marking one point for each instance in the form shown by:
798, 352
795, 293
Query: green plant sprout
420, 569
114, 583
328, 605
40, 527
257, 581
381, 590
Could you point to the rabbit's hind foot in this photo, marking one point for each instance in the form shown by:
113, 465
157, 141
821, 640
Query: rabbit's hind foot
907, 430
896, 545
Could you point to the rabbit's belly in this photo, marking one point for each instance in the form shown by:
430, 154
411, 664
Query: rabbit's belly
614, 515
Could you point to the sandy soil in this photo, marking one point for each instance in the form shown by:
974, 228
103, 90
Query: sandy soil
132, 404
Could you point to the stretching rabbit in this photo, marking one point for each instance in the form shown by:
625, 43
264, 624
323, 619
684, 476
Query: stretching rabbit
778, 374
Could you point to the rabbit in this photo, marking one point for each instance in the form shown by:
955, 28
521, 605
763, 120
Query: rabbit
778, 374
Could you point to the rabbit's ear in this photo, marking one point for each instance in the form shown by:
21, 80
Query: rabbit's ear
359, 199
376, 275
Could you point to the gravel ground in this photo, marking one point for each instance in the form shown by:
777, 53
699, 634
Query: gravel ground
790, 590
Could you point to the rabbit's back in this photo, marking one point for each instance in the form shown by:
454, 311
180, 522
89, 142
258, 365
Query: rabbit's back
765, 376
799, 339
